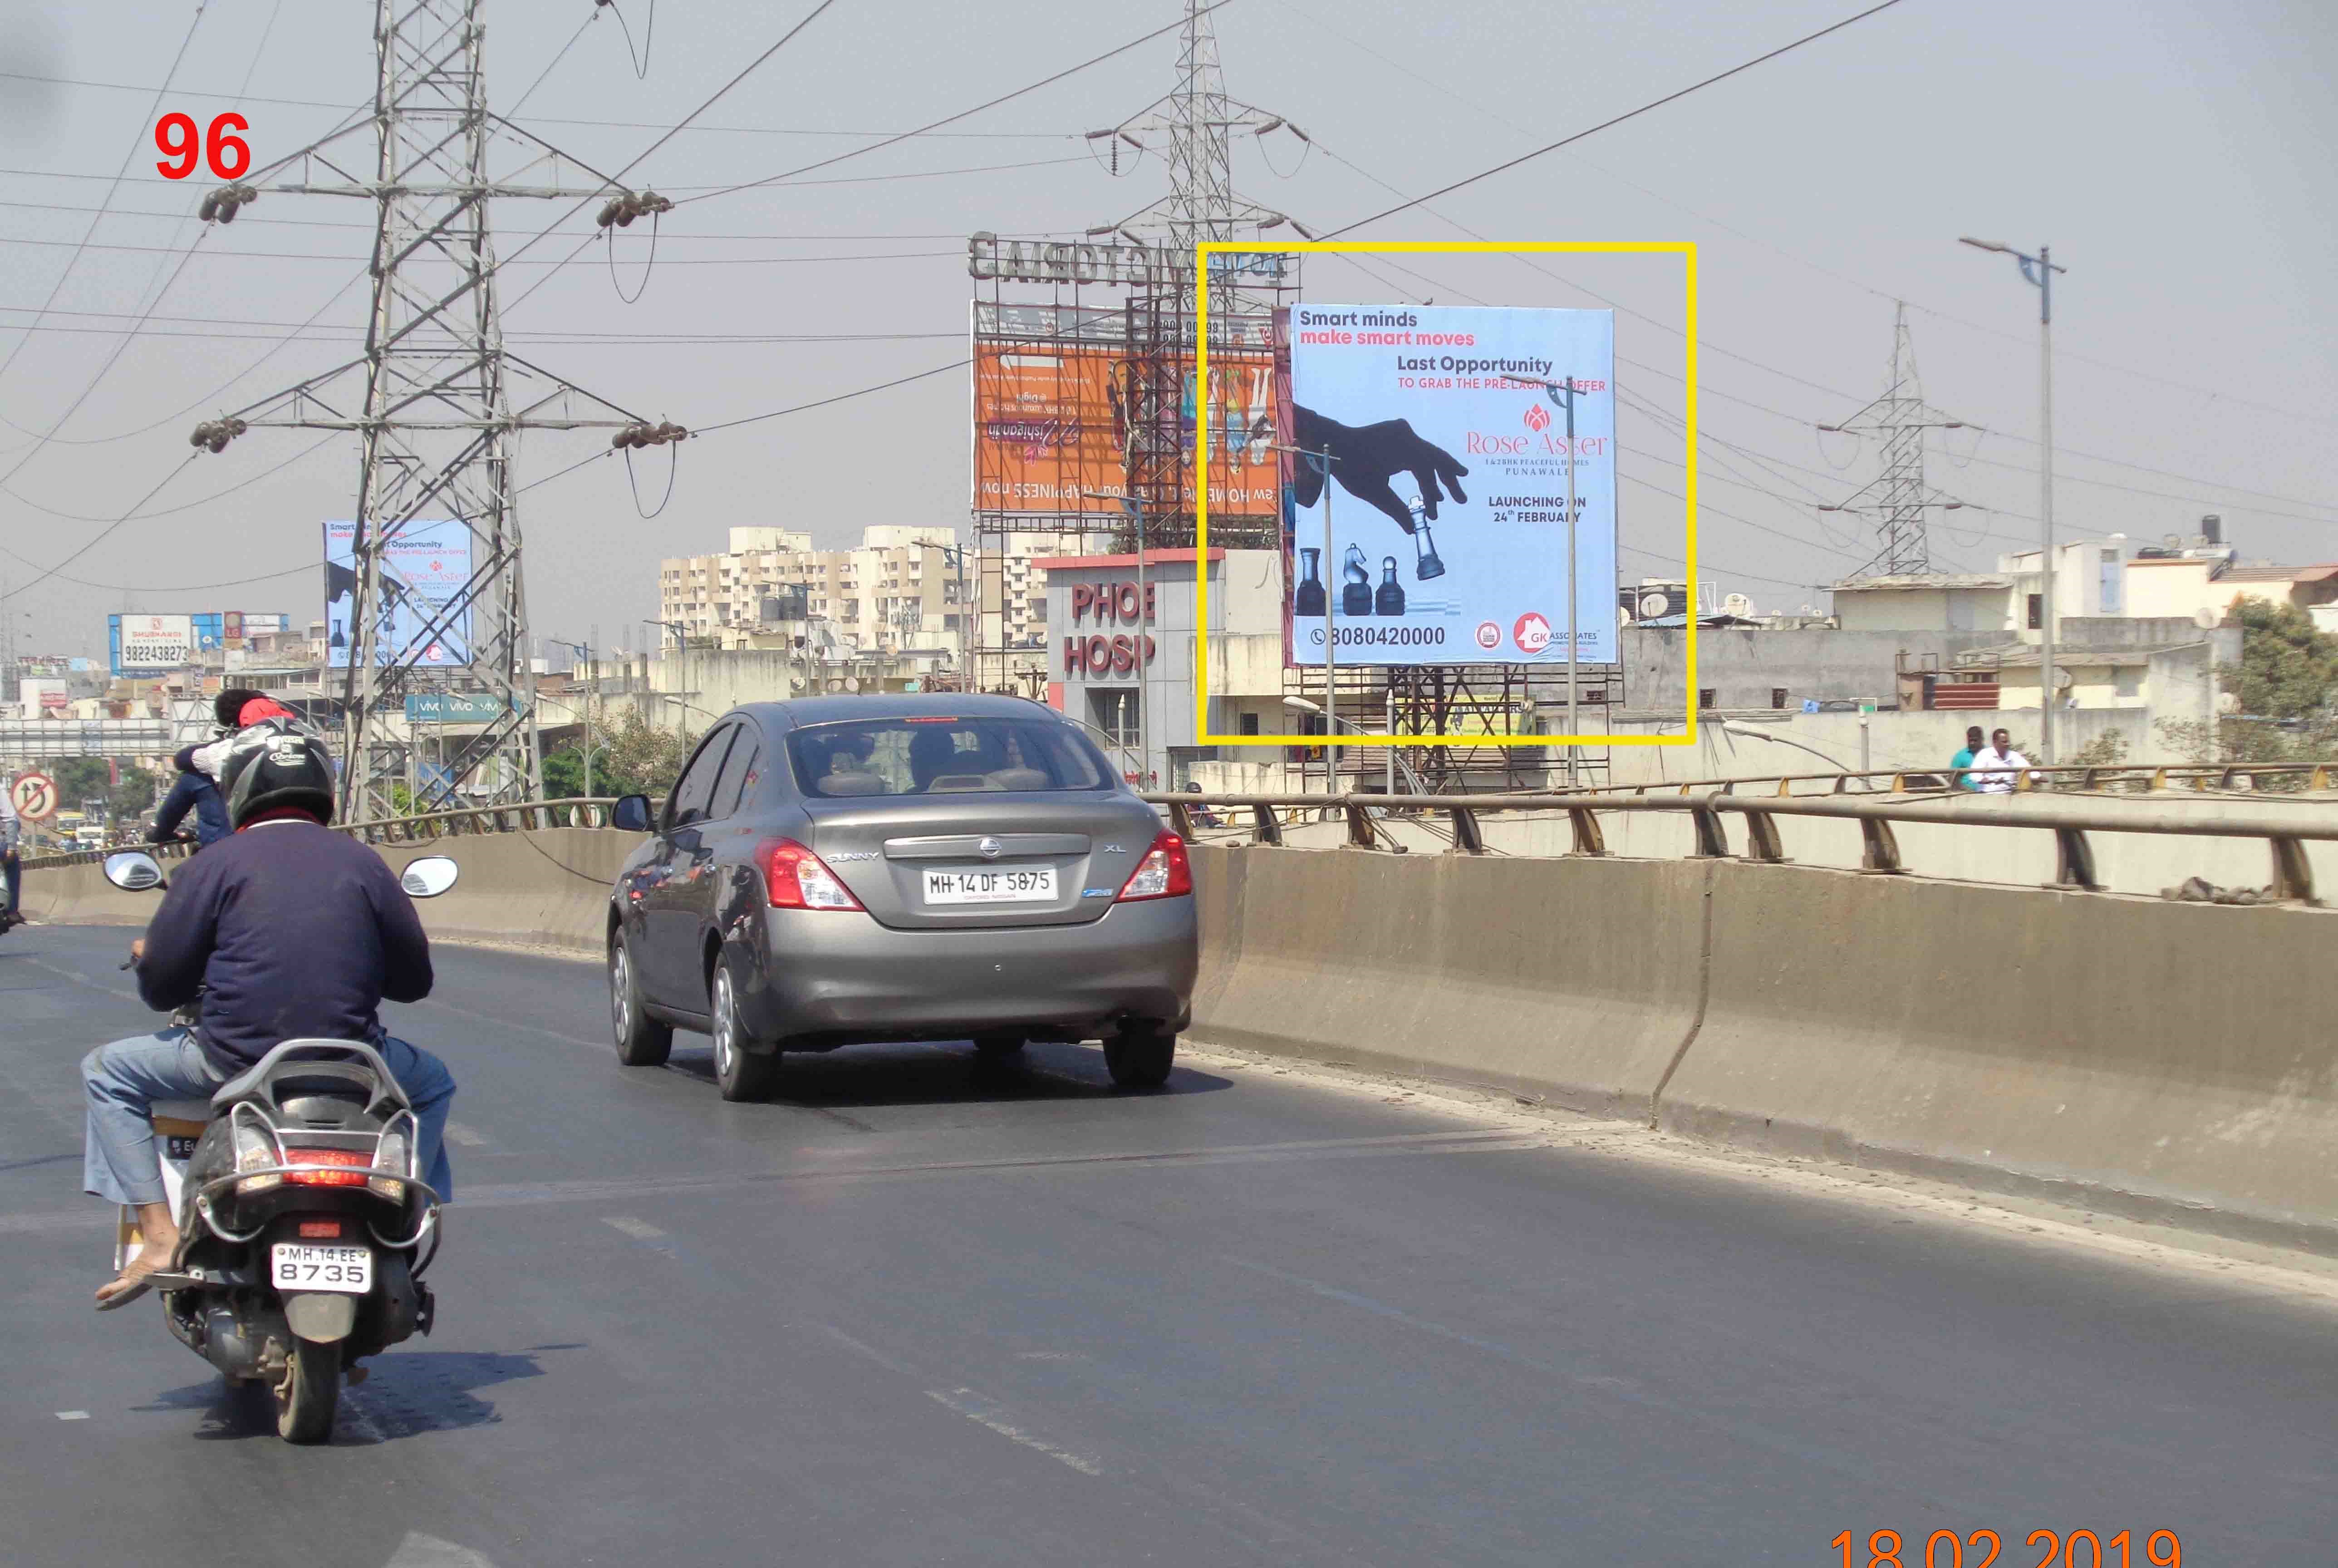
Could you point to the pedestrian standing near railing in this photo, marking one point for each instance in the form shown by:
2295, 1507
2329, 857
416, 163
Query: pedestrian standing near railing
1998, 769
1962, 760
12, 868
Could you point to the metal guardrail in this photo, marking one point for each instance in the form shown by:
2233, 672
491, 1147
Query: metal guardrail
2124, 778
581, 812
2070, 821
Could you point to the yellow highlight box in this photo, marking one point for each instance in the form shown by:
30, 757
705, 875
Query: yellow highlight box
1685, 249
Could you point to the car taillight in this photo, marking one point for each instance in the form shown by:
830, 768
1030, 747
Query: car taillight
1163, 873
797, 879
345, 1167
255, 1151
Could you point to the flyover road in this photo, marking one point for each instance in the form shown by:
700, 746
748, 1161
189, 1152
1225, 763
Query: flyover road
918, 1312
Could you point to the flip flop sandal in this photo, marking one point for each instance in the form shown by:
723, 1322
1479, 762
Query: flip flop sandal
138, 1286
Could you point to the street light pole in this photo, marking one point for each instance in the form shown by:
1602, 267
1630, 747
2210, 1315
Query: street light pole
2039, 271
1563, 393
681, 630
1323, 462
1574, 718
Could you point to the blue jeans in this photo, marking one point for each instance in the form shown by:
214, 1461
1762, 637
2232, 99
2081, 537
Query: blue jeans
192, 792
124, 1079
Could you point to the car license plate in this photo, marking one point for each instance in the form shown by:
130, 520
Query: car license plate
990, 885
299, 1266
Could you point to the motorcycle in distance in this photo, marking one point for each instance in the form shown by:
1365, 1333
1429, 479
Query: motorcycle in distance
302, 1217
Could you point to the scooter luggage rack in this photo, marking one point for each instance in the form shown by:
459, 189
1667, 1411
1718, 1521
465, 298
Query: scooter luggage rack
411, 1178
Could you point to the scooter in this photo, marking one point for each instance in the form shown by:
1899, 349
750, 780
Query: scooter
304, 1227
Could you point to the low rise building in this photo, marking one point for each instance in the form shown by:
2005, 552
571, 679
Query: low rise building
1122, 645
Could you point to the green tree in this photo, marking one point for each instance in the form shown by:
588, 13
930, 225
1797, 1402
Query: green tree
2288, 670
135, 794
564, 775
640, 759
81, 779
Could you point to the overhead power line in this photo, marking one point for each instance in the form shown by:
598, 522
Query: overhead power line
513, 113
933, 125
1615, 119
1477, 103
120, 174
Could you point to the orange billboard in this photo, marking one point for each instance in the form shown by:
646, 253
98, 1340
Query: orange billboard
1051, 427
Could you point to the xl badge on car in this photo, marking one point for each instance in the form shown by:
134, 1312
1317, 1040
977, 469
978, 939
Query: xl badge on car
991, 849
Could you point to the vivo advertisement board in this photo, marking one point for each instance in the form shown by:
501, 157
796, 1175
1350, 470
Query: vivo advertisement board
1445, 429
426, 566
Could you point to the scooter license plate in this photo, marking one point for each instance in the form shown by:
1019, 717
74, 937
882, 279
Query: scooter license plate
299, 1266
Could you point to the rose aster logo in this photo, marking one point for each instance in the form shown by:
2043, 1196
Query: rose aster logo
1538, 417
1489, 636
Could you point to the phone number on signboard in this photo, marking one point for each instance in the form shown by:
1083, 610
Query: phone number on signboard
1386, 636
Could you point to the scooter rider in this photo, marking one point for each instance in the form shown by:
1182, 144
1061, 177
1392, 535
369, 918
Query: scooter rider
189, 791
285, 930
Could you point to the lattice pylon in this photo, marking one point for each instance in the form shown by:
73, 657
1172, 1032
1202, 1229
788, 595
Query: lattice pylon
433, 410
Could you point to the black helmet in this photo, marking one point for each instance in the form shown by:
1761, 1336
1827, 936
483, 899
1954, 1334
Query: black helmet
269, 768
227, 706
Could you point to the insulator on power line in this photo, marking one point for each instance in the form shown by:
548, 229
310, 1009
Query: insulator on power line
622, 210
219, 206
641, 434
216, 433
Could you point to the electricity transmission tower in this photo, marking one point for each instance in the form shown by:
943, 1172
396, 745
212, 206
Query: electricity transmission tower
1898, 498
1194, 125
431, 399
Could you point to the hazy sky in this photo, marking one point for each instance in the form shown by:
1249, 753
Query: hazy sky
2177, 155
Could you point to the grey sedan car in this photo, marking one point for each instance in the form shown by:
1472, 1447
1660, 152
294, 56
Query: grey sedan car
843, 870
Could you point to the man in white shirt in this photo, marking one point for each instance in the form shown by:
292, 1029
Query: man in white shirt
1997, 766
12, 875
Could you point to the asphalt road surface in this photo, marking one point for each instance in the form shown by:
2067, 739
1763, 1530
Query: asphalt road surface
919, 1311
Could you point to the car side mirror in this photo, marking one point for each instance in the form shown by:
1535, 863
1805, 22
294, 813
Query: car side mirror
133, 871
630, 814
428, 876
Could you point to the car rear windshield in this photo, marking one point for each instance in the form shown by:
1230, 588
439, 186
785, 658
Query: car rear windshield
942, 755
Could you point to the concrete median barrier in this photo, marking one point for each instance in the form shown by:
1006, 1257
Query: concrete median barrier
2166, 1060
546, 888
1574, 980
80, 895
2156, 1059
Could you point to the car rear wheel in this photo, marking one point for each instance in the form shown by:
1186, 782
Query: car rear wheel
1139, 1058
642, 1041
739, 1073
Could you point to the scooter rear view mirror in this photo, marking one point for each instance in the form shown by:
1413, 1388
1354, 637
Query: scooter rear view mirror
428, 876
133, 871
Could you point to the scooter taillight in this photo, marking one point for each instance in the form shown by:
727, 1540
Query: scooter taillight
349, 1167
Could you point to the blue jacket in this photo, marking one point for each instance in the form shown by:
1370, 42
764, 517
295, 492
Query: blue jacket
289, 931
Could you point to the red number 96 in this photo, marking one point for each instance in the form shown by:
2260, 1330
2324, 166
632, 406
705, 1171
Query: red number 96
228, 153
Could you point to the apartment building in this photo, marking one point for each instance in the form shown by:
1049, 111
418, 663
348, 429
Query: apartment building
899, 589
